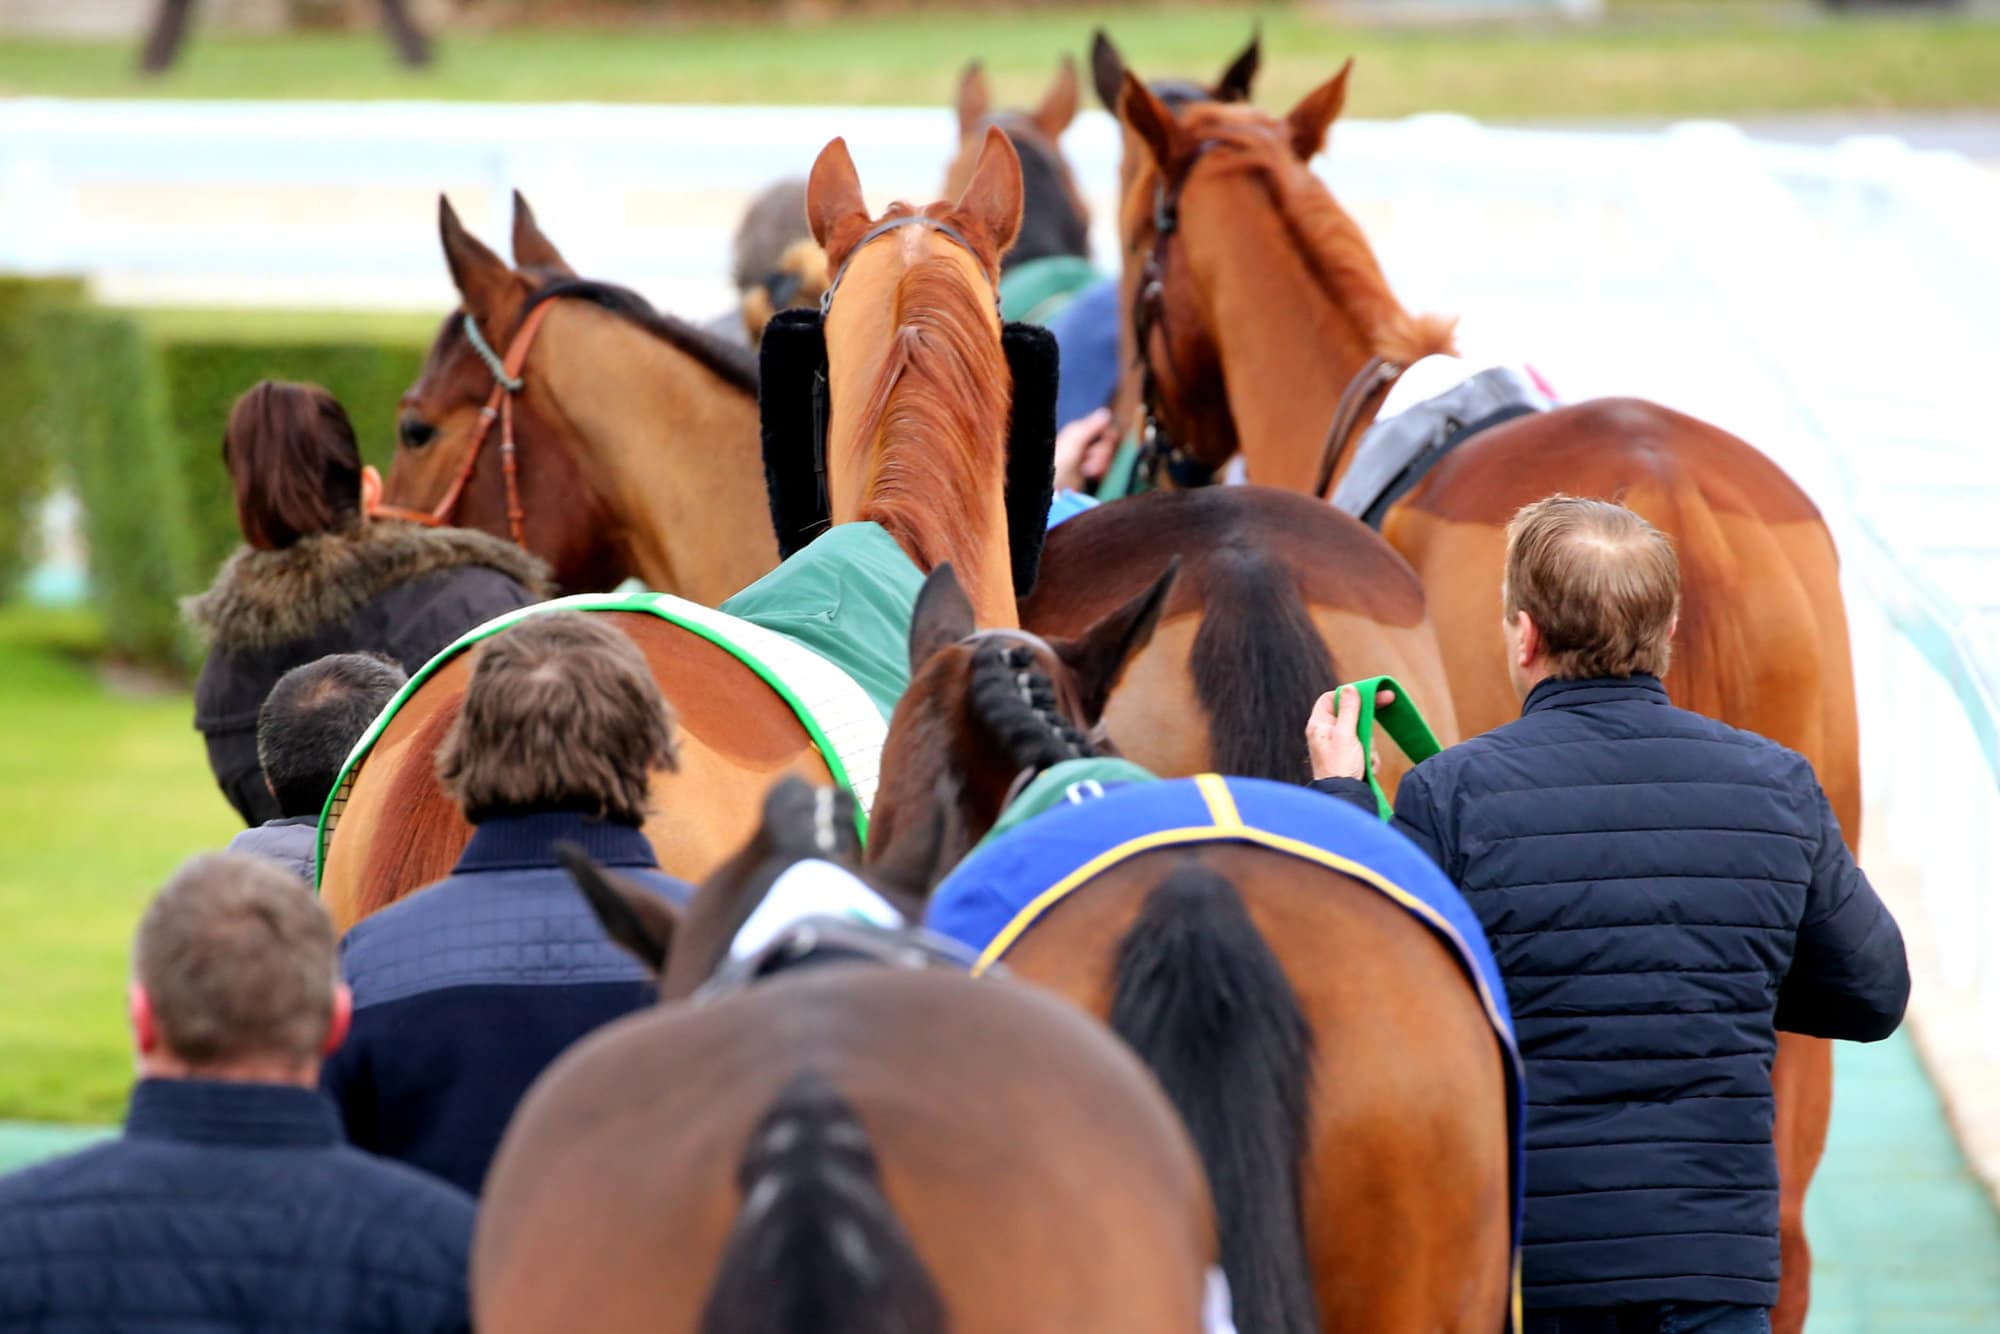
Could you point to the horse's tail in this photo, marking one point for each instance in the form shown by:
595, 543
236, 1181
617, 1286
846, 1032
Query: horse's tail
1258, 665
1199, 995
816, 1248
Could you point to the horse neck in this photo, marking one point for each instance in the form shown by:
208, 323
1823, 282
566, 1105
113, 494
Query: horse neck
919, 435
1296, 306
673, 448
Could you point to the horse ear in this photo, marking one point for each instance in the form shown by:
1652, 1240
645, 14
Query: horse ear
533, 249
1150, 120
1107, 70
973, 98
634, 917
1314, 115
1058, 106
1098, 658
911, 867
993, 196
1234, 85
833, 193
482, 277
942, 617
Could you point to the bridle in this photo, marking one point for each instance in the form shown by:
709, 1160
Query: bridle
507, 382
1158, 452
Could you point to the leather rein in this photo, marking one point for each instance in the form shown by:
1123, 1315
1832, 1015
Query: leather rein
507, 382
1157, 450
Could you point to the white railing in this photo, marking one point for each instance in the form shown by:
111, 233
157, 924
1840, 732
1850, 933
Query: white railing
1839, 307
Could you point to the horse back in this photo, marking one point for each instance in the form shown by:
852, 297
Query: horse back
399, 831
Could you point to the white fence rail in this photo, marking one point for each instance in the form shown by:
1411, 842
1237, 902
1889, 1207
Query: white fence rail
1840, 307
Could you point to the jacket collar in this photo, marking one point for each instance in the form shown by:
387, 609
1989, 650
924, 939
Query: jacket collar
210, 1111
1554, 694
521, 842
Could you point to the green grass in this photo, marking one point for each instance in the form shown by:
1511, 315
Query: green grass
196, 323
1678, 61
102, 794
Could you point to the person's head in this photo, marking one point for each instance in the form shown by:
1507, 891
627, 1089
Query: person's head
235, 975
561, 714
1591, 590
311, 720
293, 461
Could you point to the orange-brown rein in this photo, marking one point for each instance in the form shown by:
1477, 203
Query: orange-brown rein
499, 405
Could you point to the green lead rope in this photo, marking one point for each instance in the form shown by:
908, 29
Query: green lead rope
1402, 720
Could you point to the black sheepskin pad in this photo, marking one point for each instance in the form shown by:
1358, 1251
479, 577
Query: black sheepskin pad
791, 399
1031, 447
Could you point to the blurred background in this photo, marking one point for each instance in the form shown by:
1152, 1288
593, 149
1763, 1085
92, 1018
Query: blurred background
1783, 217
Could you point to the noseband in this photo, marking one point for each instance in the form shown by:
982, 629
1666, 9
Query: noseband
1158, 453
507, 382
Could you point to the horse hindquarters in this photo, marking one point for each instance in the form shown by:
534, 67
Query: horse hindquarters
1403, 1175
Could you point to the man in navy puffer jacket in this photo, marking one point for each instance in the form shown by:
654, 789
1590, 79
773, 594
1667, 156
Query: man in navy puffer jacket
1663, 893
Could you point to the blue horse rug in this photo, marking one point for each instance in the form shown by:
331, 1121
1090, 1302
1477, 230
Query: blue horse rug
1012, 881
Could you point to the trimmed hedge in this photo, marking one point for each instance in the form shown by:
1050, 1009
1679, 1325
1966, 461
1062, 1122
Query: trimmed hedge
132, 408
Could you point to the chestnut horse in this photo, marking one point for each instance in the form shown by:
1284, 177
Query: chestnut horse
1273, 307
846, 1147
920, 395
1338, 1070
635, 434
1054, 218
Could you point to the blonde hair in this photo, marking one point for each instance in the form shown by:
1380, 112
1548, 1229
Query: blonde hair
1601, 584
562, 713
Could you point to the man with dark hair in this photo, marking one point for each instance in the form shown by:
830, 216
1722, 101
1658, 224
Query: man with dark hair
230, 1202
308, 724
467, 989
1663, 894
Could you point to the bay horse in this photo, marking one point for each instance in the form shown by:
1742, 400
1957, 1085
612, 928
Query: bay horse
1273, 310
841, 1147
1336, 1067
634, 435
1054, 218
920, 398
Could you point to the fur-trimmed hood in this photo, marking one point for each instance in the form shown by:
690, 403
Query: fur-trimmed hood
260, 598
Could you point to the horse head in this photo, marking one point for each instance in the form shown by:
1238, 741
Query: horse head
1054, 218
985, 711
1107, 74
1233, 237
919, 387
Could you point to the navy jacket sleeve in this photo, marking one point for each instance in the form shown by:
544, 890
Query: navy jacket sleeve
1416, 813
345, 1079
1850, 977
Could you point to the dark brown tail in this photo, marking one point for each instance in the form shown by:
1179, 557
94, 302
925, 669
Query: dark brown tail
1258, 665
816, 1248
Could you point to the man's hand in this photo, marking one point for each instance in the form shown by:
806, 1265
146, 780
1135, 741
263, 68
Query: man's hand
1331, 736
1084, 449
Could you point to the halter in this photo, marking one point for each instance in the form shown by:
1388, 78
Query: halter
507, 382
1157, 451
881, 229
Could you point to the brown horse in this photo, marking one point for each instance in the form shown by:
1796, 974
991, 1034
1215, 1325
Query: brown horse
1335, 1067
843, 1148
635, 434
1273, 306
1054, 218
920, 395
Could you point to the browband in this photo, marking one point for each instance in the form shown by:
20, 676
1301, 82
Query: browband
881, 229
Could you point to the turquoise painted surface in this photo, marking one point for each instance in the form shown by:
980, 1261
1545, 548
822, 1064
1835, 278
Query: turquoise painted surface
1904, 1236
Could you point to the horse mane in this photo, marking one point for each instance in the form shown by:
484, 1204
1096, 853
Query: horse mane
733, 365
1050, 223
1338, 254
938, 414
1015, 702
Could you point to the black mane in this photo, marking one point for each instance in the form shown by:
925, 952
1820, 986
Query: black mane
737, 366
1050, 224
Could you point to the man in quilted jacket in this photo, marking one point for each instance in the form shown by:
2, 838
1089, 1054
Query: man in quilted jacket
466, 990
1663, 893
230, 1202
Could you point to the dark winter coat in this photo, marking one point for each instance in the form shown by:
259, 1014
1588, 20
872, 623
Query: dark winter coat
1663, 893
231, 1207
465, 991
291, 841
385, 587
